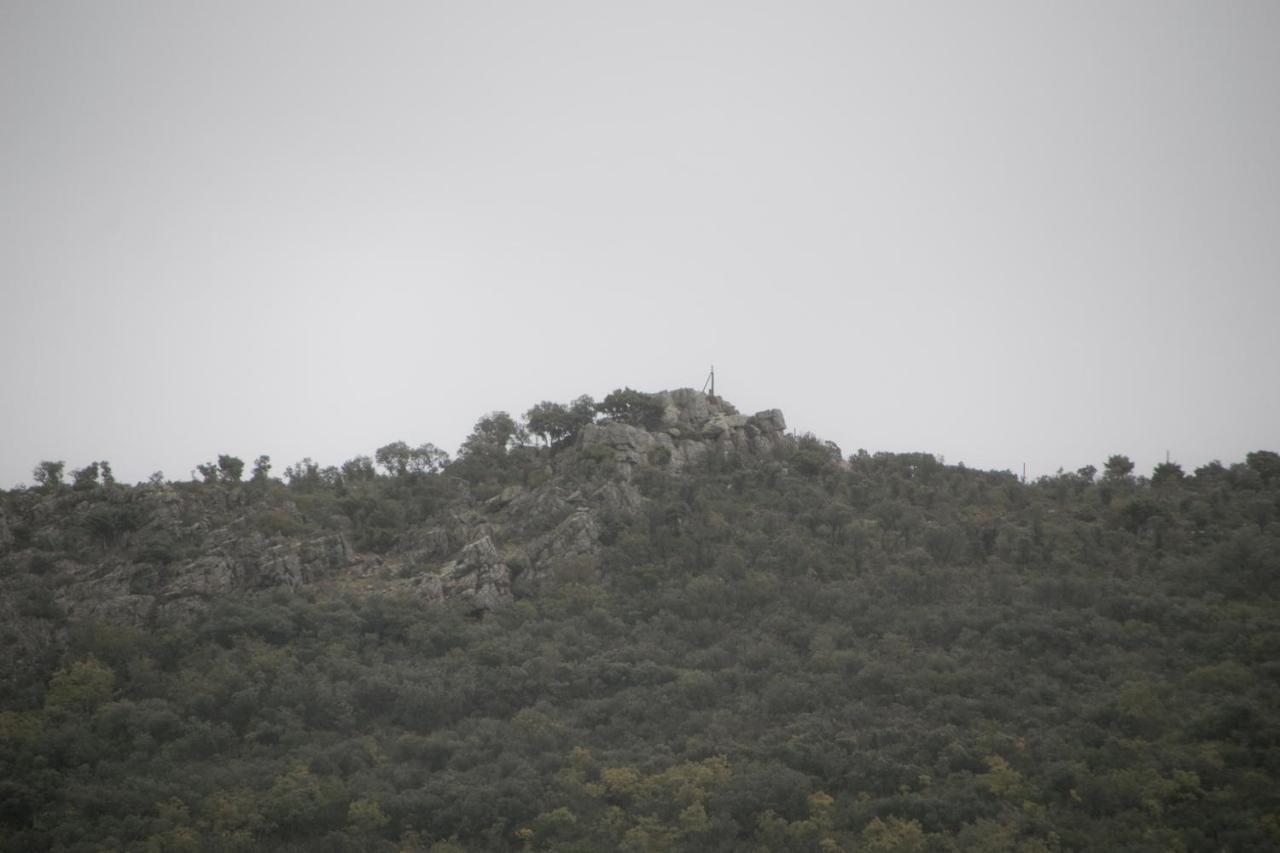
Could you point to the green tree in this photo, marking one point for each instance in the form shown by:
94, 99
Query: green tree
1118, 468
82, 686
261, 468
547, 421
303, 474
427, 459
48, 475
299, 802
230, 468
633, 407
366, 816
86, 477
109, 522
1266, 463
359, 469
493, 434
893, 836
1167, 473
558, 424
394, 457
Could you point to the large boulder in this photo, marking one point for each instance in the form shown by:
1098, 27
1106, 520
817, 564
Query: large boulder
770, 420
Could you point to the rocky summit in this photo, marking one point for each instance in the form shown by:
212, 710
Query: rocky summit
160, 552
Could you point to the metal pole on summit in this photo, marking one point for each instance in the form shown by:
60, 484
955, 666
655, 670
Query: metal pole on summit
711, 382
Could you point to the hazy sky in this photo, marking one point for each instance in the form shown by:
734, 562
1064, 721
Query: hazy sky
999, 232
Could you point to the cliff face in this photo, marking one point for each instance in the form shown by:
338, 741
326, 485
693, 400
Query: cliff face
163, 553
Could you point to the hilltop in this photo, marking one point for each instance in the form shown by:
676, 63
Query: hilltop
507, 511
648, 623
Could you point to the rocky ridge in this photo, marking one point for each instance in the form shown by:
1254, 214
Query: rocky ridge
138, 555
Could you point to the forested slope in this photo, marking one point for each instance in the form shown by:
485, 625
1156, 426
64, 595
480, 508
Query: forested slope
656, 629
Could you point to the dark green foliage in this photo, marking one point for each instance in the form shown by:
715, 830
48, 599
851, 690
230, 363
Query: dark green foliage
1166, 473
812, 456
48, 475
1118, 468
486, 457
108, 523
230, 468
797, 652
303, 475
400, 460
633, 407
558, 424
1266, 463
495, 433
359, 470
85, 478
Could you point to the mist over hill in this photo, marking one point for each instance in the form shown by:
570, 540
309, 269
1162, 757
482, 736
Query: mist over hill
646, 623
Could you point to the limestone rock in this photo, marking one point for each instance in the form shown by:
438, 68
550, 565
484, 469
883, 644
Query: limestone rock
770, 420
135, 593
533, 512
478, 576
575, 541
630, 444
621, 498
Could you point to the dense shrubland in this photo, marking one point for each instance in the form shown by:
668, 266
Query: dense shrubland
801, 652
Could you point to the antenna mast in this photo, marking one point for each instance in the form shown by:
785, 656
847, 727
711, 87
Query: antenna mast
711, 382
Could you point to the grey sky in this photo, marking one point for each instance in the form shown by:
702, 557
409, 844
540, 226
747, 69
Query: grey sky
1000, 232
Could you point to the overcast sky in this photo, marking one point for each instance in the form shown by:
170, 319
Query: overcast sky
998, 232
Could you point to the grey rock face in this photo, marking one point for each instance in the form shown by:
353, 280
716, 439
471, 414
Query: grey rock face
575, 540
685, 406
770, 420
478, 576
630, 444
693, 424
292, 564
537, 510
131, 593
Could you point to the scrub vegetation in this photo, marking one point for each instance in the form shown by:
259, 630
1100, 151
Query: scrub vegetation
791, 650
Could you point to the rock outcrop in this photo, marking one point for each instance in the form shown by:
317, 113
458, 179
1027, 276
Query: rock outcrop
478, 576
693, 425
160, 553
549, 529
137, 593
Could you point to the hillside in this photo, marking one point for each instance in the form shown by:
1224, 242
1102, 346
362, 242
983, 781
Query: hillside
652, 623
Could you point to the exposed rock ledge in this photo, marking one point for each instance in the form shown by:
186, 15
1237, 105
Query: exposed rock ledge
693, 425
478, 576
